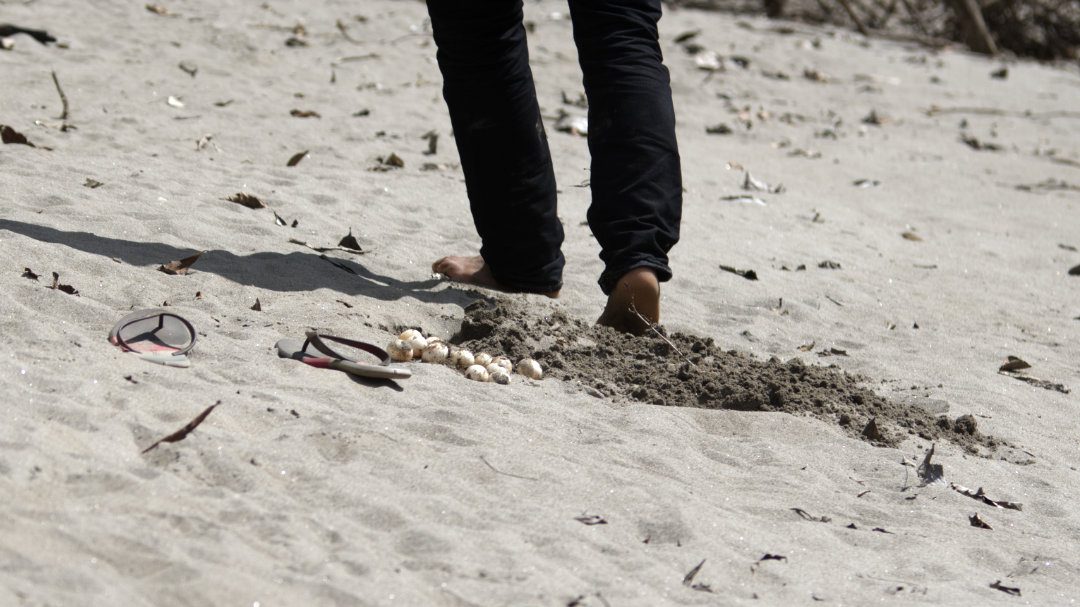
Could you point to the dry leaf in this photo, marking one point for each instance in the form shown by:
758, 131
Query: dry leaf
432, 143
296, 158
157, 9
246, 200
744, 199
56, 286
258, 306
181, 266
279, 220
28, 273
807, 516
751, 184
1014, 364
225, 103
305, 114
829, 265
10, 135
189, 68
911, 236
976, 521
323, 249
590, 519
807, 347
393, 160
92, 183
978, 494
180, 434
350, 242
1013, 590
718, 129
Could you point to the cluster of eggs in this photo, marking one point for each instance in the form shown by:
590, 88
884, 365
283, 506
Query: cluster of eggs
412, 345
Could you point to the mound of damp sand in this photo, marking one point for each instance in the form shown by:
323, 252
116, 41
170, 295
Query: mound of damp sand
689, 371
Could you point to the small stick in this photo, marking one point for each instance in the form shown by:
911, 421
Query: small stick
63, 97
652, 326
497, 471
183, 432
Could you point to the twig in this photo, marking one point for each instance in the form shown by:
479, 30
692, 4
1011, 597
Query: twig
652, 326
915, 18
497, 471
63, 97
183, 432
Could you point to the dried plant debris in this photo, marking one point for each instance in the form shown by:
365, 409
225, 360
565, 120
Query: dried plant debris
257, 306
389, 163
92, 183
325, 249
978, 145
174, 101
56, 286
772, 557
432, 138
28, 273
349, 242
928, 471
11, 136
304, 114
747, 274
688, 579
338, 264
591, 519
829, 265
182, 433
181, 266
809, 517
296, 158
978, 494
834, 351
1074, 271
744, 199
1049, 185
157, 9
866, 183
1013, 590
43, 37
912, 236
756, 185
718, 129
976, 521
1013, 367
247, 200
188, 68
876, 119
649, 369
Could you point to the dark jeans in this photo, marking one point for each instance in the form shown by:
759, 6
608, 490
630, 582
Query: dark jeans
635, 178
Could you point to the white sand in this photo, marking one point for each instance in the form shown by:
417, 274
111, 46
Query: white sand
305, 488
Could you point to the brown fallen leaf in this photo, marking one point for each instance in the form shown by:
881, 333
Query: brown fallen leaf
976, 521
258, 306
225, 103
296, 158
911, 236
278, 219
1013, 590
688, 579
350, 242
1014, 364
10, 135
198, 294
304, 114
56, 286
247, 200
807, 516
92, 183
394, 160
28, 273
833, 352
807, 347
181, 266
829, 265
432, 143
1074, 271
1038, 383
157, 9
324, 249
180, 434
747, 274
871, 430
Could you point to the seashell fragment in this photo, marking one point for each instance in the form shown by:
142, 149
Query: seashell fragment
400, 350
461, 358
530, 368
435, 353
500, 376
483, 359
504, 362
477, 373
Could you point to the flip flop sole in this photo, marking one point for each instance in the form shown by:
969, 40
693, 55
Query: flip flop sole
293, 348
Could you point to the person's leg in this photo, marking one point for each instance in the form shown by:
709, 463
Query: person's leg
636, 177
489, 90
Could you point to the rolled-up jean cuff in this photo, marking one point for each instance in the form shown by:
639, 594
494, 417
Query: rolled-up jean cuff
611, 276
519, 285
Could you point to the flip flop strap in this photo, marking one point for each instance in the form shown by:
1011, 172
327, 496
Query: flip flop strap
316, 339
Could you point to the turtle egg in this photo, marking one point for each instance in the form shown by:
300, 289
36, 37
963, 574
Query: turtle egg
483, 359
477, 373
503, 362
435, 353
400, 350
530, 368
494, 368
415, 340
500, 376
461, 358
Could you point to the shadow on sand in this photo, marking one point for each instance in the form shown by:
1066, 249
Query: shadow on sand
284, 272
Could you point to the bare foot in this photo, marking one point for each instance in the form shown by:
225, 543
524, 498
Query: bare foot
474, 271
638, 290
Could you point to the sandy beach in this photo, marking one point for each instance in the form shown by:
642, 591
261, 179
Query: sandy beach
927, 223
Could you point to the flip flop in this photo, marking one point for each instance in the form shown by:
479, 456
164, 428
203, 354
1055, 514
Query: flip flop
155, 335
326, 358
